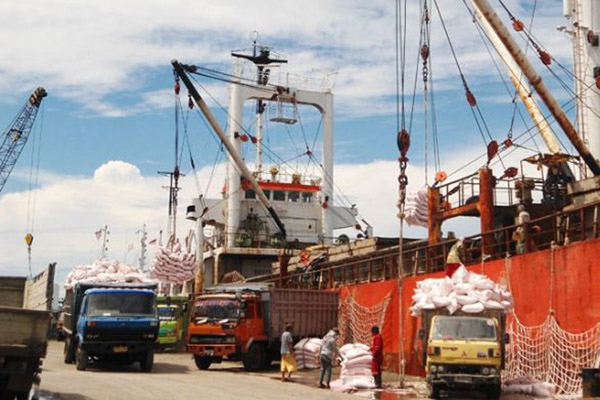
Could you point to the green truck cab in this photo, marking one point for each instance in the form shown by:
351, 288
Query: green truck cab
173, 315
171, 324
464, 351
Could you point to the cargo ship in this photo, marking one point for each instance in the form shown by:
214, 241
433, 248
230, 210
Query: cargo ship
277, 227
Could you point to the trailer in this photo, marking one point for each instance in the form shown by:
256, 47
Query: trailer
24, 324
245, 322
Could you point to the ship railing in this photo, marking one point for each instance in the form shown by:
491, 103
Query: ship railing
507, 191
419, 257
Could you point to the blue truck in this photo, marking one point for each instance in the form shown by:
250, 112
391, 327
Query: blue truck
110, 323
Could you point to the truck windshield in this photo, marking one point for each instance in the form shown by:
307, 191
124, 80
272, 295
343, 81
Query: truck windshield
167, 313
111, 304
217, 309
464, 328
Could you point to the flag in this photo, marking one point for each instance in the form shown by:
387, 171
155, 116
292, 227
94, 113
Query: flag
153, 241
98, 233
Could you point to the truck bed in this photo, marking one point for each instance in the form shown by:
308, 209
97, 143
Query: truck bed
23, 332
313, 313
25, 314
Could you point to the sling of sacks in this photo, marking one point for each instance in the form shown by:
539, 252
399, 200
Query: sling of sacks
465, 291
307, 353
415, 209
176, 266
104, 271
356, 368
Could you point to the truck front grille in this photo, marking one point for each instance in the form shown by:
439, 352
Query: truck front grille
120, 335
207, 339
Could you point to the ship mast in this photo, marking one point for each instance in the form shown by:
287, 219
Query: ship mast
538, 84
585, 19
261, 57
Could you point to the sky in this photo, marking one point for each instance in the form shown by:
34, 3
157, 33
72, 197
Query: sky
108, 123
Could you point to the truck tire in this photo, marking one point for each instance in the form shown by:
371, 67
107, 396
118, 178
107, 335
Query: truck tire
203, 363
433, 391
81, 359
68, 351
254, 359
147, 361
493, 392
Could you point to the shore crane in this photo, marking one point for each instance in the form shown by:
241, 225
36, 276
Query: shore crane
15, 137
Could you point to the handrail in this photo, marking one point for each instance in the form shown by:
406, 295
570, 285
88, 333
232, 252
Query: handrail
561, 228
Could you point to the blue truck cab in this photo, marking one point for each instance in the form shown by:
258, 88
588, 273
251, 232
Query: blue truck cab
111, 323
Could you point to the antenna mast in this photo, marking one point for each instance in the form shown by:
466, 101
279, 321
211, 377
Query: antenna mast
261, 57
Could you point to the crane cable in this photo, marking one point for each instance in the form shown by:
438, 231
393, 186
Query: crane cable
34, 168
475, 109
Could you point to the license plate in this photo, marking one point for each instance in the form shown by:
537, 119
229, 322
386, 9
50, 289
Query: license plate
209, 352
120, 349
463, 380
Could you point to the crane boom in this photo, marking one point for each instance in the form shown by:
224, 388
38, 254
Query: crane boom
15, 137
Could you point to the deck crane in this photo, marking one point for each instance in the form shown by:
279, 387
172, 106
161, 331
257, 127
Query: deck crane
15, 137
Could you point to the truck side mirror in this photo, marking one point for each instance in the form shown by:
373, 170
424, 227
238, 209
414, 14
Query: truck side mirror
506, 338
421, 334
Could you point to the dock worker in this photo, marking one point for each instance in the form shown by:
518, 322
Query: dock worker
288, 363
377, 353
455, 257
329, 351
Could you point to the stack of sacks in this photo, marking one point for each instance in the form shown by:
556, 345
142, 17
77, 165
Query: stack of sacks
530, 386
104, 271
415, 208
356, 368
465, 291
307, 353
176, 265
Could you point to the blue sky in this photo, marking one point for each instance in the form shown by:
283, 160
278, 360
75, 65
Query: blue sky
106, 66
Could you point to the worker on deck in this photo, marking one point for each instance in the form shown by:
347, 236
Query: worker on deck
288, 363
377, 353
455, 257
523, 219
329, 351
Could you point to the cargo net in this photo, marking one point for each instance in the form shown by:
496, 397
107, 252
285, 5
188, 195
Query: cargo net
550, 354
355, 321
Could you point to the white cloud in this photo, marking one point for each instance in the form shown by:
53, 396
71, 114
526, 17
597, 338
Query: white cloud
90, 52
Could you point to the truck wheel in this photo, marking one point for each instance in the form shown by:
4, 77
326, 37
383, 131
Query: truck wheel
147, 362
203, 363
434, 391
493, 392
254, 359
68, 352
81, 359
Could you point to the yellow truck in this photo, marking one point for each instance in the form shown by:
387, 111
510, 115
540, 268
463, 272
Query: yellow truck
463, 352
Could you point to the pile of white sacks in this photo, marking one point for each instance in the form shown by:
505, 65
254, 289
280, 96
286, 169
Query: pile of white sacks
529, 386
465, 291
415, 208
176, 265
104, 271
356, 368
307, 353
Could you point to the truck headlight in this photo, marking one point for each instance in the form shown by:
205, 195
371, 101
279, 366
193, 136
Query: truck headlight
433, 368
148, 336
485, 370
440, 369
493, 371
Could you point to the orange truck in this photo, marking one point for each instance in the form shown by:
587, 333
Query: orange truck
245, 322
